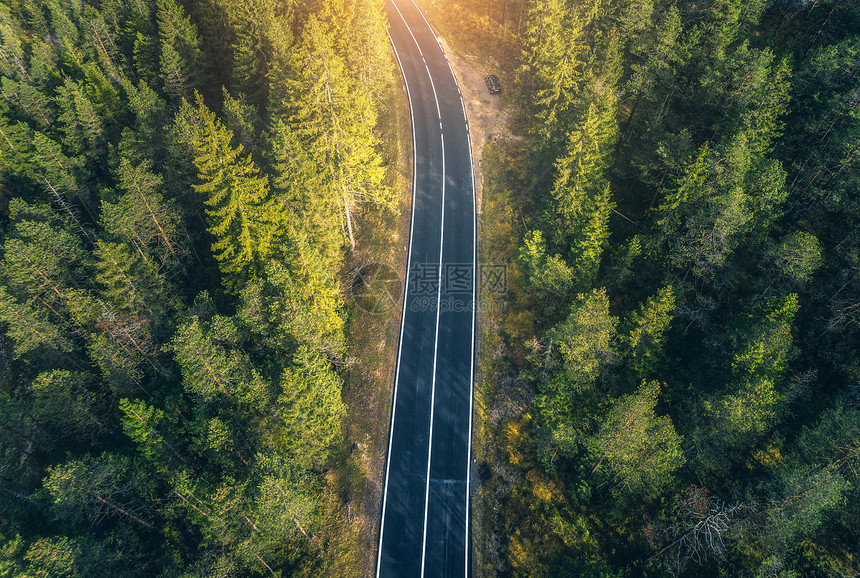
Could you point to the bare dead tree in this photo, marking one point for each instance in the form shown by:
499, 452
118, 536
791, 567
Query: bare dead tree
704, 522
71, 211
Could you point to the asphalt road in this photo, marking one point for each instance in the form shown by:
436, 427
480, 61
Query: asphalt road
424, 529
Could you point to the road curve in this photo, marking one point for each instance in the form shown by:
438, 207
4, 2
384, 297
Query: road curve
424, 530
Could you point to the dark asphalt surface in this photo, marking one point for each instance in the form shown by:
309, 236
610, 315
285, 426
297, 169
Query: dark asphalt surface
425, 526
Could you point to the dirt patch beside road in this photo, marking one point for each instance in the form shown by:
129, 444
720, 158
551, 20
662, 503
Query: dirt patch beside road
487, 118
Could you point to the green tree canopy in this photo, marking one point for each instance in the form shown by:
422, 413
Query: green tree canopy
310, 408
640, 449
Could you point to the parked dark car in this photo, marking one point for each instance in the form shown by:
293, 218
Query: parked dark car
493, 84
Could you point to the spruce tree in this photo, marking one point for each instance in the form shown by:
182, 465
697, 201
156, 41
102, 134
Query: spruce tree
180, 54
244, 224
334, 119
581, 193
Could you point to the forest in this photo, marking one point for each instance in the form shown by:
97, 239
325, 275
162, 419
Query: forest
180, 182
673, 387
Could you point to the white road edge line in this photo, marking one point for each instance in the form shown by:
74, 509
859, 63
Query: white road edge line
474, 337
427, 22
403, 312
435, 351
452, 70
436, 98
415, 40
474, 284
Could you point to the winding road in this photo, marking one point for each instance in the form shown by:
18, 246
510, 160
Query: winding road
424, 530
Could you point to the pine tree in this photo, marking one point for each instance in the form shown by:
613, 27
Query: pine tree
101, 40
716, 212
792, 261
55, 556
310, 408
44, 266
553, 59
581, 192
575, 355
334, 119
230, 527
65, 20
146, 56
44, 68
766, 343
834, 441
144, 423
52, 168
13, 142
143, 218
210, 370
244, 225
359, 35
63, 400
252, 50
640, 449
180, 53
207, 368
287, 509
145, 140
213, 20
13, 40
31, 100
798, 502
31, 327
549, 276
130, 284
122, 348
297, 304
643, 345
86, 490
654, 51
242, 119
301, 191
730, 188
42, 259
753, 402
81, 125
105, 98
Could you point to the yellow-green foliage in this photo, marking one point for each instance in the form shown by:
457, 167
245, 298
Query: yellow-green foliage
245, 227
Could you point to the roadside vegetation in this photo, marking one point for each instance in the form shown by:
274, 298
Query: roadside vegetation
671, 387
186, 188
